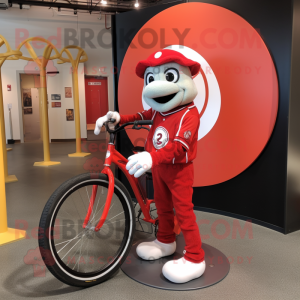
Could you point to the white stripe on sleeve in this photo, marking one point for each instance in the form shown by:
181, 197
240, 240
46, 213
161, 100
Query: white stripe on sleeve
182, 143
181, 122
141, 116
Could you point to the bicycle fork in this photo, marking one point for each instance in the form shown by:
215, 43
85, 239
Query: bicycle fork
111, 187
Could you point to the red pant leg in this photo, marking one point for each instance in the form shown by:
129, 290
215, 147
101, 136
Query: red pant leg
180, 178
164, 206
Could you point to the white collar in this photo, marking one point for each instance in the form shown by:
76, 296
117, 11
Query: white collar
175, 111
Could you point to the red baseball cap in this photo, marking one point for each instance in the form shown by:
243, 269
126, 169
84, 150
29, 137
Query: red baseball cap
166, 56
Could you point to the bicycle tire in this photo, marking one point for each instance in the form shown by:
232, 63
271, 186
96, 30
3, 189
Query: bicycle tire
47, 248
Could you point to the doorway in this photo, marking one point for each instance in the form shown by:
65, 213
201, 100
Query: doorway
30, 103
96, 98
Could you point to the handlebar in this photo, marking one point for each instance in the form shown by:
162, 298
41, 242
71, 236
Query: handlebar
144, 122
137, 125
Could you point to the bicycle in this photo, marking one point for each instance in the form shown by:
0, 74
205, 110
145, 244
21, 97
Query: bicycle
103, 241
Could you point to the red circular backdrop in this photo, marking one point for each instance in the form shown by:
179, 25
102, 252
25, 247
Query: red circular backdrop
245, 73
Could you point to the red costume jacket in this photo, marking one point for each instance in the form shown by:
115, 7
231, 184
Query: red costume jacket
173, 136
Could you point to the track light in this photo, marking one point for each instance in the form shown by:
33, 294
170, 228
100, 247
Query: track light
75, 11
137, 3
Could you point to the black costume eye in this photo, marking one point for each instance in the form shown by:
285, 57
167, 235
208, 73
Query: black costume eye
149, 78
172, 75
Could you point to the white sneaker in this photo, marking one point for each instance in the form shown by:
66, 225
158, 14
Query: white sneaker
181, 270
155, 250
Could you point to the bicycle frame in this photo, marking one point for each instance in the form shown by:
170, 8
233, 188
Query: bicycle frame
113, 156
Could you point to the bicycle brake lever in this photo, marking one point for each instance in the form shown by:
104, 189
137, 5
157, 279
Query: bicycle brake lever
139, 127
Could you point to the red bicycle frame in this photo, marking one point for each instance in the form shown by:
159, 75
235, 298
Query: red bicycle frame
113, 156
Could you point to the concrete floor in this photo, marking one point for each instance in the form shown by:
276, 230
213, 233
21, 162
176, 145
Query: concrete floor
273, 271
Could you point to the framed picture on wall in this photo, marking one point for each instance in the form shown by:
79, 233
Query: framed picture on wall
55, 97
68, 92
28, 111
27, 100
55, 104
70, 114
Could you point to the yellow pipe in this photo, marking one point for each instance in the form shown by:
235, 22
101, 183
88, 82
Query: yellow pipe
7, 235
45, 126
3, 56
3, 213
81, 57
77, 112
42, 64
8, 178
3, 136
40, 111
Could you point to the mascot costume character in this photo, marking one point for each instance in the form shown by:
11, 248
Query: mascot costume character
170, 149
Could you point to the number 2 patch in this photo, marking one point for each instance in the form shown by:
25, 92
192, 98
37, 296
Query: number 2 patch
160, 137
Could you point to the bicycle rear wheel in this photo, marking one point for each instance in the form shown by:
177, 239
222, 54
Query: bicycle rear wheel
80, 256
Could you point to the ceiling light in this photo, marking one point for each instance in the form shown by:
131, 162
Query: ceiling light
137, 3
104, 2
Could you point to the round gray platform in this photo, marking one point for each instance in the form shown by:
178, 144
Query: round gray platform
150, 272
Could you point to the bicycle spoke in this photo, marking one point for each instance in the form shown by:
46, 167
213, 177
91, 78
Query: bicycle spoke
65, 241
70, 241
89, 199
77, 209
88, 249
97, 213
116, 215
79, 255
82, 199
69, 250
66, 225
66, 212
96, 208
82, 202
114, 222
108, 210
87, 193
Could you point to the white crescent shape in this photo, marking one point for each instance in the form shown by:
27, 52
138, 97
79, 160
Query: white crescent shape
213, 108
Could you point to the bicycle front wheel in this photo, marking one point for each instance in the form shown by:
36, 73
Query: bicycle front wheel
80, 256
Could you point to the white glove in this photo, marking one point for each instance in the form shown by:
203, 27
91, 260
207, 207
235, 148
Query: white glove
111, 114
139, 164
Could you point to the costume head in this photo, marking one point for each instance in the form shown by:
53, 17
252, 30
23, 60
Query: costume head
168, 79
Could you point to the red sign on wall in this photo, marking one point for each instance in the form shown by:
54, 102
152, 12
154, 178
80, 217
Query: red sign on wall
9, 87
